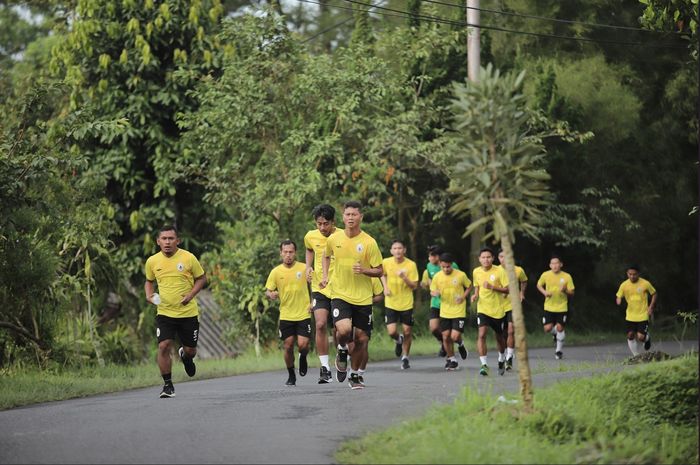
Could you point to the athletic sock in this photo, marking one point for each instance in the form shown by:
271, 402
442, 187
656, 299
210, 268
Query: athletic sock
634, 348
168, 378
360, 372
404, 357
501, 357
484, 360
509, 352
453, 358
560, 340
324, 361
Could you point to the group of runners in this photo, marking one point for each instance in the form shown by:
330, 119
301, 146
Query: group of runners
346, 273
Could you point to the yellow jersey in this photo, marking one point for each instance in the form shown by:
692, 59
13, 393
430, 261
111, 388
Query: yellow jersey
401, 297
490, 302
450, 287
314, 240
637, 297
522, 278
175, 276
377, 287
355, 289
552, 282
290, 282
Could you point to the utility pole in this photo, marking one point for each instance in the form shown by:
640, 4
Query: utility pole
473, 65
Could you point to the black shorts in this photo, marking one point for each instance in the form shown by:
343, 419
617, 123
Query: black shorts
509, 316
447, 324
637, 326
394, 316
497, 324
186, 329
295, 328
361, 315
434, 313
320, 301
554, 318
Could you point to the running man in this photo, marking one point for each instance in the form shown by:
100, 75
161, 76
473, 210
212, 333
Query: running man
431, 269
315, 243
508, 308
378, 291
636, 291
490, 291
453, 287
400, 279
357, 261
557, 287
288, 283
180, 277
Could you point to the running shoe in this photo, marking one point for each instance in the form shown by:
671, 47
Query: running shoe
484, 370
462, 351
291, 381
168, 391
361, 379
442, 352
341, 365
399, 346
558, 355
509, 364
190, 367
447, 364
404, 364
354, 382
325, 377
303, 365
453, 365
647, 343
501, 368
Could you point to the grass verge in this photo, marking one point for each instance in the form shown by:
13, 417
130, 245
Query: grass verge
646, 414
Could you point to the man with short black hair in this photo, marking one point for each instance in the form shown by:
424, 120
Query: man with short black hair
636, 291
180, 277
557, 287
431, 269
288, 283
508, 308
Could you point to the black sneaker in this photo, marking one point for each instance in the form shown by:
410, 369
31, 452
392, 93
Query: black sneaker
647, 343
303, 365
354, 382
501, 368
190, 367
325, 377
484, 370
558, 355
398, 350
168, 391
462, 351
291, 381
447, 364
361, 379
509, 364
341, 365
453, 365
442, 352
404, 364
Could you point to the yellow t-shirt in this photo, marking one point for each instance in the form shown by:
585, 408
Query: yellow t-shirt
490, 302
293, 291
451, 286
175, 276
314, 240
522, 278
637, 297
558, 302
355, 289
401, 297
377, 286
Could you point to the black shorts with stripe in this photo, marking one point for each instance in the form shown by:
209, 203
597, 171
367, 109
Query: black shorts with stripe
295, 328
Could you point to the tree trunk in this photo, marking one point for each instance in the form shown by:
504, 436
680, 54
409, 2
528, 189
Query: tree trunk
518, 324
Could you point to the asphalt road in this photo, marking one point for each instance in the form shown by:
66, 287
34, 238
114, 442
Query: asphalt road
256, 419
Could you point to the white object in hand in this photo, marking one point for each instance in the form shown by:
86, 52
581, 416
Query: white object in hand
155, 298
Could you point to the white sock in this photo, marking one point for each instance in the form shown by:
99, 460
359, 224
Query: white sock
453, 359
632, 343
343, 347
560, 340
404, 357
360, 372
324, 361
484, 360
501, 357
509, 352
646, 338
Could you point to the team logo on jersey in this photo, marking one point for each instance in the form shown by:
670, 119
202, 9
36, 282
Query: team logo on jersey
639, 290
336, 313
454, 281
492, 277
180, 267
298, 274
561, 280
359, 248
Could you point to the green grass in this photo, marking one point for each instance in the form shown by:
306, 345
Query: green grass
645, 414
30, 385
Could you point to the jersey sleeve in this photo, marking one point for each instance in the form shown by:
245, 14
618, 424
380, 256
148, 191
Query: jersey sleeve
620, 290
413, 273
425, 277
466, 282
271, 283
197, 270
377, 287
434, 283
375, 256
149, 270
307, 242
328, 251
475, 277
540, 282
570, 282
650, 288
522, 277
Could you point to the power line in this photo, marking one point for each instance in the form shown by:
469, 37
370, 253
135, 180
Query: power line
545, 18
336, 25
437, 19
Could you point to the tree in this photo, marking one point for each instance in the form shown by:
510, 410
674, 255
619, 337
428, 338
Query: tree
499, 167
